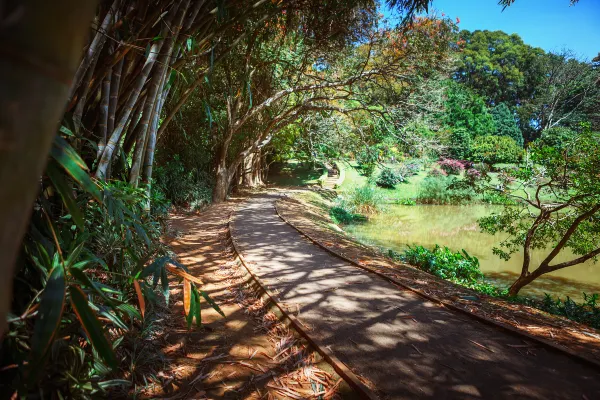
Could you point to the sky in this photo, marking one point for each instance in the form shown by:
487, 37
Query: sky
552, 25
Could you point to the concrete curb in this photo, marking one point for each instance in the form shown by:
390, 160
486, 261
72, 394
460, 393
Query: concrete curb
552, 346
339, 367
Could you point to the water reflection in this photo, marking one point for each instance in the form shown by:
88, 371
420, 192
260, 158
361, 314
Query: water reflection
456, 227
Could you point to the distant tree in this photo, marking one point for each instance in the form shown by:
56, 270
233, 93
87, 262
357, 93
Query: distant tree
558, 208
499, 67
465, 109
567, 95
460, 143
557, 138
505, 123
496, 149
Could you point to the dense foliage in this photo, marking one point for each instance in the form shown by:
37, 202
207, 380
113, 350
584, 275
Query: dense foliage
496, 149
558, 195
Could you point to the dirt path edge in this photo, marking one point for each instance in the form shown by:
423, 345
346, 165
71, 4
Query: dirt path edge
339, 367
445, 303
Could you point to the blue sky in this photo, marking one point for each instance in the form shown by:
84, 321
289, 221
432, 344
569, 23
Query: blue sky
549, 24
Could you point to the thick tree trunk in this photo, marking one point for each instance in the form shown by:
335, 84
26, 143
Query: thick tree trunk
222, 182
40, 51
522, 281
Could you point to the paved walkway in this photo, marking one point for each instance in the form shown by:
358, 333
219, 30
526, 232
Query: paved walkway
406, 346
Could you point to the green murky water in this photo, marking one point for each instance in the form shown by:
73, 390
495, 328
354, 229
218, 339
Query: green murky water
457, 228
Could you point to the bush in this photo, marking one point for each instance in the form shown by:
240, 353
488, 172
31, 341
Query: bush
473, 175
557, 137
182, 187
389, 178
367, 160
361, 200
444, 263
451, 167
460, 143
407, 202
341, 216
587, 312
409, 169
435, 172
496, 149
441, 190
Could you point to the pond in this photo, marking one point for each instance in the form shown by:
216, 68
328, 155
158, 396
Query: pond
456, 227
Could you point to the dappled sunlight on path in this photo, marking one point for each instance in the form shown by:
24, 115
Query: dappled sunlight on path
406, 346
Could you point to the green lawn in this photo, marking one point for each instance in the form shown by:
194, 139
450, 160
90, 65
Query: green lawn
294, 173
406, 190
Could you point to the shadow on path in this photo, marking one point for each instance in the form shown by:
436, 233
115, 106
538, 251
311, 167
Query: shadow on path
406, 346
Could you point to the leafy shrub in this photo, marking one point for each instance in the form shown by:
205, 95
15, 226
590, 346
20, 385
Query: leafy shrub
361, 200
496, 149
84, 266
341, 216
409, 168
388, 178
587, 312
443, 190
473, 175
557, 137
451, 167
444, 263
367, 160
435, 172
460, 143
407, 202
183, 187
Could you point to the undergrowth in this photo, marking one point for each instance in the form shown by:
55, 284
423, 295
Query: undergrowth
463, 269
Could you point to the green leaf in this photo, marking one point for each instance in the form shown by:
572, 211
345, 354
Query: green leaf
92, 326
165, 284
74, 255
209, 114
66, 131
113, 383
153, 268
48, 321
114, 318
130, 310
190, 317
86, 281
212, 303
68, 158
66, 193
198, 311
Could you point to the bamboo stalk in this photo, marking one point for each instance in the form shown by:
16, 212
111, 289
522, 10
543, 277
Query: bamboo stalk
118, 131
85, 90
152, 134
104, 112
115, 87
93, 50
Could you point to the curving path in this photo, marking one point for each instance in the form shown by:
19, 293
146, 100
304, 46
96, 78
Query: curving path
404, 345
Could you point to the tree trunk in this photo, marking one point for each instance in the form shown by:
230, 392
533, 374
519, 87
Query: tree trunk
222, 182
40, 52
522, 281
